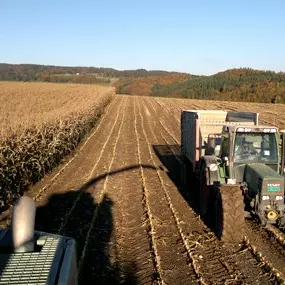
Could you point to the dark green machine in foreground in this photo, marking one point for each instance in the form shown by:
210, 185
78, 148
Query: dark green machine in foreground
32, 257
239, 165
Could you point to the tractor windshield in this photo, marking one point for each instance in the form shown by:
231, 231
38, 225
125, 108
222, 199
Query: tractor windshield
255, 147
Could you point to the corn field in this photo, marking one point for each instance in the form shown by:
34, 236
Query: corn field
40, 124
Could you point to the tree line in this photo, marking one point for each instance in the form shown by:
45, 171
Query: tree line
49, 73
234, 85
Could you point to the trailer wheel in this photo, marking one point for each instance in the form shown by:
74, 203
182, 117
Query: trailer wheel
229, 214
204, 190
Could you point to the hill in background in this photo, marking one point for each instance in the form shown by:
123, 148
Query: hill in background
67, 74
233, 85
241, 84
144, 85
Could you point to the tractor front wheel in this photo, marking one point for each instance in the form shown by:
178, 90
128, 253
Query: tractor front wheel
229, 214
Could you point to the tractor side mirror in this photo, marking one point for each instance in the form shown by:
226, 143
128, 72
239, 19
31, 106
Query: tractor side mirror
213, 144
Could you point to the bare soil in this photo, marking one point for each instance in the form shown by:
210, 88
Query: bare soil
120, 197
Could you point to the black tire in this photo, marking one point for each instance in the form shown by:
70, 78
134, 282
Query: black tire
229, 214
203, 191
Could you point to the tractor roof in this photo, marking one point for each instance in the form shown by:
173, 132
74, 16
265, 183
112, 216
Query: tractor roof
250, 128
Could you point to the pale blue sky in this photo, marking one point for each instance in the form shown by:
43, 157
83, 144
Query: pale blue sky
198, 37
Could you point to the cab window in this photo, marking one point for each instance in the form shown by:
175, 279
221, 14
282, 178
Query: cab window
255, 147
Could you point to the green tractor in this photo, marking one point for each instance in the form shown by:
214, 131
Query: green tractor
240, 168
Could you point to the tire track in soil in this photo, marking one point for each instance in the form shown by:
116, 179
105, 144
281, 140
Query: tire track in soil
277, 233
216, 255
168, 120
165, 117
167, 108
146, 201
174, 260
69, 181
133, 256
51, 217
267, 244
97, 226
91, 174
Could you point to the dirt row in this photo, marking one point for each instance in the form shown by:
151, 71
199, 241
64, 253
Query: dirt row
106, 212
119, 196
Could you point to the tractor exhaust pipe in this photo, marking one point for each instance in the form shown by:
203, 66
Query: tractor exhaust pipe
23, 223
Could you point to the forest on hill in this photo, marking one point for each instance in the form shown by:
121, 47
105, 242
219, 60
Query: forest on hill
67, 74
242, 84
143, 85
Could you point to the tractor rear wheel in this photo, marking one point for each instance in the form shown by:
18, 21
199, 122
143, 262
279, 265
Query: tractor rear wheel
229, 214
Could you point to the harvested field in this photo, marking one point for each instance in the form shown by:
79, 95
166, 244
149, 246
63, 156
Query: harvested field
120, 197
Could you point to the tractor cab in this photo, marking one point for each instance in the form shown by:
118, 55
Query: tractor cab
248, 145
251, 157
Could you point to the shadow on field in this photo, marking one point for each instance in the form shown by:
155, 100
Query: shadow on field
99, 266
171, 158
